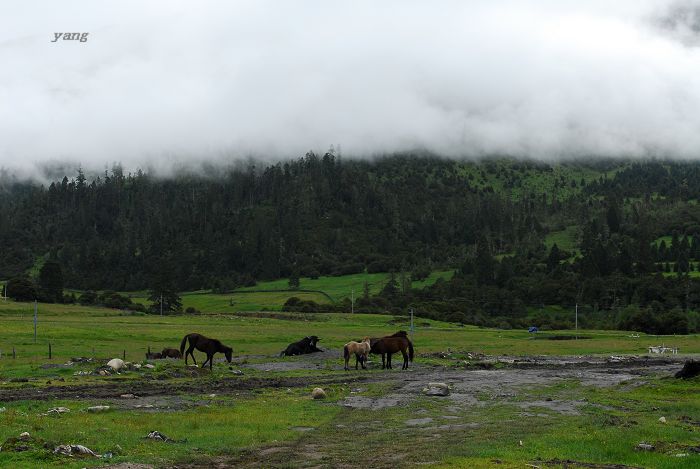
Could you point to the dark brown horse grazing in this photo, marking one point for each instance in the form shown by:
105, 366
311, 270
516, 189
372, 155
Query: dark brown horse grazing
170, 353
206, 345
386, 346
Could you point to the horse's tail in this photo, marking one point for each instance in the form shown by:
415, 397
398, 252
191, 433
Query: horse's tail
410, 350
346, 352
183, 343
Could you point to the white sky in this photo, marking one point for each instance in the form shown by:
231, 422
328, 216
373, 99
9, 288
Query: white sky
160, 82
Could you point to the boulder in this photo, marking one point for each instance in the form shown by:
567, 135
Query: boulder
25, 436
436, 389
318, 393
116, 364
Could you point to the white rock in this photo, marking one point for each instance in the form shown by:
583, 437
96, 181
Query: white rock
149, 366
58, 410
116, 364
24, 436
318, 393
662, 419
98, 408
127, 396
437, 389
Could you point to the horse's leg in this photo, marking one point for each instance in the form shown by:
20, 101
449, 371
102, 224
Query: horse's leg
405, 359
211, 360
364, 360
388, 360
191, 352
205, 361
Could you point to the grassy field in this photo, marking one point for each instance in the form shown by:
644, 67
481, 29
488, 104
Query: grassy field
261, 297
76, 330
210, 428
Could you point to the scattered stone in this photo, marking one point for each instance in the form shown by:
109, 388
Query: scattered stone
149, 366
682, 455
57, 410
237, 372
128, 396
103, 373
645, 447
212, 395
98, 408
81, 360
662, 419
520, 442
318, 393
135, 366
2, 409
81, 373
25, 436
437, 389
143, 406
156, 435
690, 369
116, 364
74, 450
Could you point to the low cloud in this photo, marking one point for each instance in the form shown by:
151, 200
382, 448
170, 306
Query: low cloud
163, 84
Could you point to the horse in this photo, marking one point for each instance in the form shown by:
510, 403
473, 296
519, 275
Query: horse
360, 349
206, 345
153, 356
374, 340
386, 346
303, 346
170, 353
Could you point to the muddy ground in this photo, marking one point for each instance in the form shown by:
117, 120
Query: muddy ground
496, 375
473, 383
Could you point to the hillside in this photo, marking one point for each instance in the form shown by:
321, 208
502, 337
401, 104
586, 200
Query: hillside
619, 238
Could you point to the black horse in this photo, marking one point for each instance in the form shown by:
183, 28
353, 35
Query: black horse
301, 347
206, 345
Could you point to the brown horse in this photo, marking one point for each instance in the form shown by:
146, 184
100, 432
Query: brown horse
206, 345
386, 346
360, 349
170, 353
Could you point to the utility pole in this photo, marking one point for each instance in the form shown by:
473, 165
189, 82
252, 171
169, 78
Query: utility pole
352, 301
36, 308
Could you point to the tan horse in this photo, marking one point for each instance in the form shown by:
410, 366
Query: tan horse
360, 349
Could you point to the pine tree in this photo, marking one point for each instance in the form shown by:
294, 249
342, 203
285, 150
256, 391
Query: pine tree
51, 282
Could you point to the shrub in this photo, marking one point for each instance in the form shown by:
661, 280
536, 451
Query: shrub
21, 289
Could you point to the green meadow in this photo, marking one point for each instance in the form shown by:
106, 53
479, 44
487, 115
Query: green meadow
280, 426
271, 295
